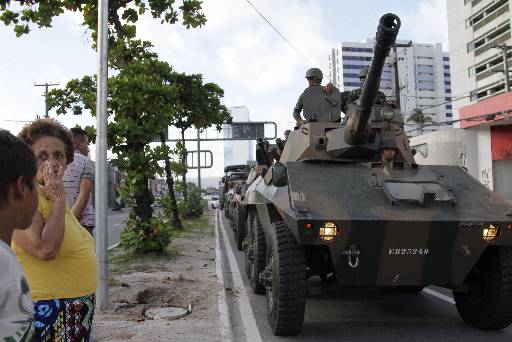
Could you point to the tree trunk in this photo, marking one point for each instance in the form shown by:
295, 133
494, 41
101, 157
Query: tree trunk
143, 201
184, 165
176, 222
144, 197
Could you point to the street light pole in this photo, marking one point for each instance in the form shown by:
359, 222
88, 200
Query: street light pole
101, 193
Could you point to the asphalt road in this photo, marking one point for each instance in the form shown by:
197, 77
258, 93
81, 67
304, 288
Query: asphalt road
115, 225
334, 315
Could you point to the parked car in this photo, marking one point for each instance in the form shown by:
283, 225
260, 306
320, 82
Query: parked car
214, 202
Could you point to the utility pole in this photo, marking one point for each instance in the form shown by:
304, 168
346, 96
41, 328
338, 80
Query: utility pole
504, 47
395, 67
199, 160
101, 184
46, 85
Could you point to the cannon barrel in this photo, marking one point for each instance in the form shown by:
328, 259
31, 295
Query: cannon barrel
389, 25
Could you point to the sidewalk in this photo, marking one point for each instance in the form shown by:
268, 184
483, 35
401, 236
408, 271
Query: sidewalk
185, 278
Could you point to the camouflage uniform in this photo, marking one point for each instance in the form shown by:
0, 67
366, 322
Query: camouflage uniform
316, 104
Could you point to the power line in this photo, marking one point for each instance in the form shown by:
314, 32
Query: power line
281, 35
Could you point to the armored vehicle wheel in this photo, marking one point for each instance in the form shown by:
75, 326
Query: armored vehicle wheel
285, 281
488, 303
258, 253
240, 227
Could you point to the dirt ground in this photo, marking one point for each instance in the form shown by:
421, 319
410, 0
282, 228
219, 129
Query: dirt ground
185, 278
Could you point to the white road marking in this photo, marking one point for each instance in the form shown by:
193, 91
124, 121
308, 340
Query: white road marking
225, 325
247, 315
439, 295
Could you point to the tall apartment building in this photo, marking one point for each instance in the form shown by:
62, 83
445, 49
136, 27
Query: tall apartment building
473, 28
423, 74
238, 151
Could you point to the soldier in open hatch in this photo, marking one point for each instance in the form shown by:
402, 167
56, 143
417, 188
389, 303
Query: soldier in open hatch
354, 95
316, 104
387, 150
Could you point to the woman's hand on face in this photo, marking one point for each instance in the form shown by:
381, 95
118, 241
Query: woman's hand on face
53, 184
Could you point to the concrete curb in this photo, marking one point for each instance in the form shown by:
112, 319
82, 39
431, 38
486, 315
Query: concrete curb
251, 330
226, 328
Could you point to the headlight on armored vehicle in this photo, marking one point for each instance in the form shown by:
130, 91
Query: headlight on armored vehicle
328, 231
490, 232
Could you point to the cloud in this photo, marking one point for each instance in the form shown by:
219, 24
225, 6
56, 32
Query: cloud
430, 22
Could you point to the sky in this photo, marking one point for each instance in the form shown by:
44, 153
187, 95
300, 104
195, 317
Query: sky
236, 49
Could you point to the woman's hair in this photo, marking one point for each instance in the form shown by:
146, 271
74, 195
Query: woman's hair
41, 128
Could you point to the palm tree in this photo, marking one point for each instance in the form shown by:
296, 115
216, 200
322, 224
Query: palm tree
419, 118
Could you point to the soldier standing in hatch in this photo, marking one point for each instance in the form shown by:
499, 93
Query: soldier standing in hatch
318, 105
354, 95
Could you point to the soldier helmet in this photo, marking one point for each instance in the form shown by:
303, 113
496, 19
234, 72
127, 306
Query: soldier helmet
388, 142
314, 73
363, 72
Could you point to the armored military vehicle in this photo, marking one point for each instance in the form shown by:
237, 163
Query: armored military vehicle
333, 208
234, 175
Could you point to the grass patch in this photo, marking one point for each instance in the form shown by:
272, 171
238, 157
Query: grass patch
122, 262
199, 227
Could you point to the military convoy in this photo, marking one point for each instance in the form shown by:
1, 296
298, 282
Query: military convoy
332, 208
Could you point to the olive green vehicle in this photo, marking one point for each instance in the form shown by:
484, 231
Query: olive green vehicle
234, 176
331, 208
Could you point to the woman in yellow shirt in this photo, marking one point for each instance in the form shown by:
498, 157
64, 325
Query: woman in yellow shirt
56, 252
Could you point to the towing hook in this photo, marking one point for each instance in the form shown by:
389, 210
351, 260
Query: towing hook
352, 254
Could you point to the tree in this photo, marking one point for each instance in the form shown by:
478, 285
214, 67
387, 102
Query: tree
141, 101
419, 118
122, 14
199, 105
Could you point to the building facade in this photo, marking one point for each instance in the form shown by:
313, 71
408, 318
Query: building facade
238, 152
423, 78
482, 106
475, 27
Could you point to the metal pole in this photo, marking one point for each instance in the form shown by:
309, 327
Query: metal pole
397, 83
198, 160
101, 158
46, 86
505, 61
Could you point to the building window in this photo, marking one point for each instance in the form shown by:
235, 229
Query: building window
357, 58
448, 114
445, 58
446, 67
446, 74
447, 83
470, 46
448, 106
471, 71
356, 49
448, 90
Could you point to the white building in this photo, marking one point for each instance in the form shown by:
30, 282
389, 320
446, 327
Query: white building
238, 152
477, 68
423, 73
479, 98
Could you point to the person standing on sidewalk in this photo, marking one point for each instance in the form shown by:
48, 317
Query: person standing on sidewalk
79, 181
56, 252
18, 203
